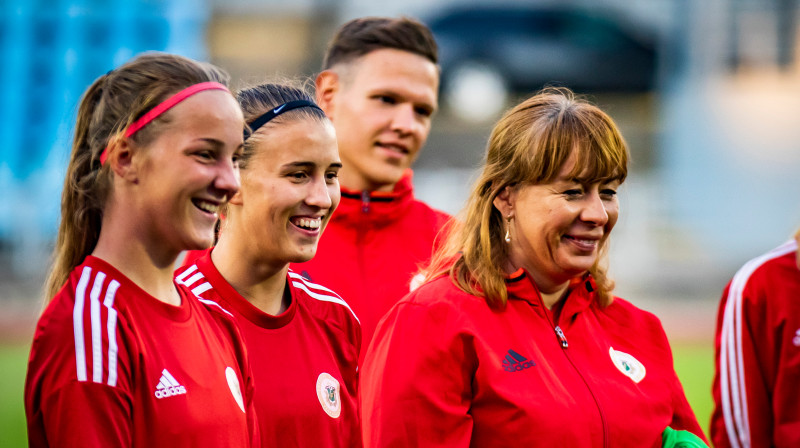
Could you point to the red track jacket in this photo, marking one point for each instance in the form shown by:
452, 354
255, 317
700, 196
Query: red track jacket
372, 248
444, 370
758, 355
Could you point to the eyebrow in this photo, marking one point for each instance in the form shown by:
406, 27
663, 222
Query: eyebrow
216, 143
309, 165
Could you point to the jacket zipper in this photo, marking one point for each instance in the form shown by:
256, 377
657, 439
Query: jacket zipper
562, 340
365, 199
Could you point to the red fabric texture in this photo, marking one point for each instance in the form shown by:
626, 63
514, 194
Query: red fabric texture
167, 383
445, 370
373, 246
293, 355
758, 354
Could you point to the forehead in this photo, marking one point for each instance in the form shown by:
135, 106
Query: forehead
398, 71
304, 140
211, 105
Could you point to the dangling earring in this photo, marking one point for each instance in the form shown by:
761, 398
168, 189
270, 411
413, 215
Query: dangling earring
508, 229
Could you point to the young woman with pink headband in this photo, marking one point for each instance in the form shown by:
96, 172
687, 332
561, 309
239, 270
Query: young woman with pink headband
121, 357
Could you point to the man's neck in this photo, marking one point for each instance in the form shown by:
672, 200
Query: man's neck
356, 182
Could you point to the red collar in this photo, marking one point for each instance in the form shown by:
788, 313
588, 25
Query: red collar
520, 286
239, 303
376, 206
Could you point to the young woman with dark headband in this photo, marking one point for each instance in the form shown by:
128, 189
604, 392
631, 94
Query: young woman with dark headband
303, 339
121, 356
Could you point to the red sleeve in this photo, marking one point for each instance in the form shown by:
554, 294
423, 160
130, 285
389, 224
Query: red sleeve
683, 416
250, 406
78, 386
406, 400
742, 411
84, 414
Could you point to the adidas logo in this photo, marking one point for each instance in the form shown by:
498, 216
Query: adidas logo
514, 362
168, 386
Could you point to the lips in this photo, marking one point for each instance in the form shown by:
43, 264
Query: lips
207, 206
307, 223
584, 243
395, 147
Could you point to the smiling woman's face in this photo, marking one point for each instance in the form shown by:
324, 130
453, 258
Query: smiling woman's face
559, 227
289, 190
189, 171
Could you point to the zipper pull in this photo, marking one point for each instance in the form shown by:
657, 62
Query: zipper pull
561, 337
365, 201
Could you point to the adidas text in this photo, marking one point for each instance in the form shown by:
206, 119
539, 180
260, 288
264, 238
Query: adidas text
519, 366
170, 391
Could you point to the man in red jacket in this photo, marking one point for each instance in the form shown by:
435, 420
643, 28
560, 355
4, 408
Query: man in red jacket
379, 86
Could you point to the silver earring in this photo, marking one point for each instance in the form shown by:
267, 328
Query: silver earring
508, 229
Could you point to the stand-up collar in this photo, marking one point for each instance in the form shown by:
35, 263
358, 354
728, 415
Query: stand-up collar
521, 286
376, 206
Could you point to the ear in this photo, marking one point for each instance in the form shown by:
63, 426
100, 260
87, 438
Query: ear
121, 159
328, 85
504, 201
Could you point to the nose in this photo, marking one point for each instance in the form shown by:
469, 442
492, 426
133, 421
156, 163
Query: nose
318, 194
404, 119
227, 180
595, 211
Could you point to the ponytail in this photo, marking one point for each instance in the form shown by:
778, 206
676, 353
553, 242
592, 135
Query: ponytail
85, 190
108, 107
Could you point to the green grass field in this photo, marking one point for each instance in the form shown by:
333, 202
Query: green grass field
13, 361
694, 364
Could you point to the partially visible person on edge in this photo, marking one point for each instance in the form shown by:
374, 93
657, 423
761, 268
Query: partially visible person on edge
379, 86
515, 338
303, 339
758, 353
121, 357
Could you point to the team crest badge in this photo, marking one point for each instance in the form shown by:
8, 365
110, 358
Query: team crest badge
796, 338
233, 383
628, 365
328, 394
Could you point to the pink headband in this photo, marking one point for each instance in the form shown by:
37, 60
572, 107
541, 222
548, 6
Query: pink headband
164, 106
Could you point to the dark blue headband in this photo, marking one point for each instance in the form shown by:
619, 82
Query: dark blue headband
285, 107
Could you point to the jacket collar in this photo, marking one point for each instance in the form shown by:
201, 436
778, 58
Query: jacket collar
376, 206
521, 286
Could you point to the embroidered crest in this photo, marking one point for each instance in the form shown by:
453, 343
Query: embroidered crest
328, 394
796, 338
233, 383
628, 365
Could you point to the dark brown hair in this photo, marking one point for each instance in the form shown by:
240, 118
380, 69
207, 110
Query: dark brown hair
367, 34
108, 106
258, 100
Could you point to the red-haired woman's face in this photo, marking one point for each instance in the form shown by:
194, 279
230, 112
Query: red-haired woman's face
558, 227
190, 170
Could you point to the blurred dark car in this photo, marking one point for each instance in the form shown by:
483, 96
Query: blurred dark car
522, 48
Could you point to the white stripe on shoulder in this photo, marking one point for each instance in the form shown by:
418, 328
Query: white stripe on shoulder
182, 276
212, 303
97, 335
313, 285
111, 292
325, 297
732, 373
197, 290
77, 323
